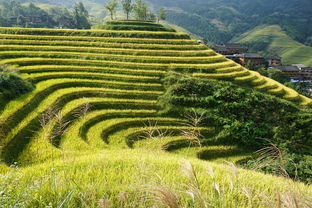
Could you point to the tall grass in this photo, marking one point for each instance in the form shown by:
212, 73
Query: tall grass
146, 179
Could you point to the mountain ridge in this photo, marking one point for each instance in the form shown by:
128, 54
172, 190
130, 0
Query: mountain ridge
272, 40
221, 21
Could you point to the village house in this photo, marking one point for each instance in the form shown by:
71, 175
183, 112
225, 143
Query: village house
297, 71
300, 66
305, 72
65, 22
274, 60
254, 59
13, 20
289, 71
230, 48
32, 19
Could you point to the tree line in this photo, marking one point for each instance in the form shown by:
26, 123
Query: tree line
14, 13
138, 8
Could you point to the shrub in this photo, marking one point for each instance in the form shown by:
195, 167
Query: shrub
11, 84
247, 118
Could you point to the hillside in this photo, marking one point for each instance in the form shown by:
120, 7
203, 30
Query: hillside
273, 40
213, 19
93, 133
95, 7
220, 21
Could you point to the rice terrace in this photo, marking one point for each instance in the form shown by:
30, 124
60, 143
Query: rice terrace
136, 114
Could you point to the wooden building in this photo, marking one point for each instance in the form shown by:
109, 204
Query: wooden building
274, 61
243, 59
290, 71
230, 48
32, 19
305, 72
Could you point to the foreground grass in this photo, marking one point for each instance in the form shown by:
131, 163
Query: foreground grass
142, 178
56, 132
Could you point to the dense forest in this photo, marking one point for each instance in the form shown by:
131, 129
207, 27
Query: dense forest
244, 117
16, 13
222, 20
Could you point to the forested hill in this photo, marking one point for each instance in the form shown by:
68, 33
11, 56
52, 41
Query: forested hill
272, 40
222, 20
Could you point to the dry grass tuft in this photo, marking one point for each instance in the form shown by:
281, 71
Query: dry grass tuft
193, 185
163, 197
194, 120
271, 155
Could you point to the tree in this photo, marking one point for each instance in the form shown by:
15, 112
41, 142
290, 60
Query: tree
111, 7
62, 17
277, 75
12, 85
140, 10
20, 21
151, 16
127, 7
32, 9
81, 16
162, 14
4, 22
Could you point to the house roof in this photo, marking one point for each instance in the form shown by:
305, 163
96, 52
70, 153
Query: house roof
220, 48
274, 58
300, 66
249, 55
288, 68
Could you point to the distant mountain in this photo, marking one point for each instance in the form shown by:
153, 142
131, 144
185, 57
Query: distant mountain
222, 20
95, 7
272, 40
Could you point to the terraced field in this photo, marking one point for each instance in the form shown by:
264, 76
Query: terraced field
97, 90
93, 84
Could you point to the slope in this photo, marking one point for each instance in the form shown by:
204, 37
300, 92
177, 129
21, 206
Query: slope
271, 39
220, 21
118, 65
213, 19
95, 105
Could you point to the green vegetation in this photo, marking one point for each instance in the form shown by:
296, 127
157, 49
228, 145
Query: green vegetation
162, 14
14, 13
272, 40
141, 11
132, 25
111, 7
138, 7
210, 19
244, 117
213, 19
277, 74
127, 7
115, 114
11, 84
81, 16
